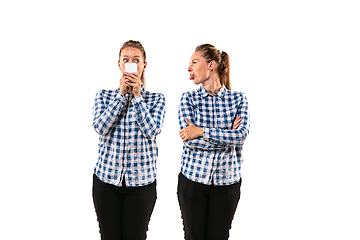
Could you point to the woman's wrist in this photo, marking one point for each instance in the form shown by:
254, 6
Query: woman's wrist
200, 131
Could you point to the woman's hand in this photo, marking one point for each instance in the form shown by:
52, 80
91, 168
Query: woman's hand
123, 86
134, 83
236, 123
130, 82
190, 132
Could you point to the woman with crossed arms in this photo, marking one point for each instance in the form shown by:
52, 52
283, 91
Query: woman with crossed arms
214, 123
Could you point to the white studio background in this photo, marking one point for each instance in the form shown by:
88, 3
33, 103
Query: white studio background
297, 62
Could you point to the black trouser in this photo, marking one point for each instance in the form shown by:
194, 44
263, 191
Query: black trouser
207, 210
123, 212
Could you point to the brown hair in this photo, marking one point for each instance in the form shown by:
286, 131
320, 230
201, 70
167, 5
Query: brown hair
137, 45
222, 60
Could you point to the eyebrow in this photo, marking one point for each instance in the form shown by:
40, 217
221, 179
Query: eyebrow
193, 60
128, 56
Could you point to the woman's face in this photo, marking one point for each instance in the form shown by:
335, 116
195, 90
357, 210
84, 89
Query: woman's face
132, 55
199, 68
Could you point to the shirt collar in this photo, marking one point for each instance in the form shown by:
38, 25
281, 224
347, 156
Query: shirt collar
221, 93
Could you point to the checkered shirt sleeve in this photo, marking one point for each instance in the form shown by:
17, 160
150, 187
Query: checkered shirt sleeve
187, 110
216, 157
127, 129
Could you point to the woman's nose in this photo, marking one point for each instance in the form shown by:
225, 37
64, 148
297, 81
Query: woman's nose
189, 69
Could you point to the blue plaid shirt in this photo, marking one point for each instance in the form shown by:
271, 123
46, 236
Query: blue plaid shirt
127, 144
216, 157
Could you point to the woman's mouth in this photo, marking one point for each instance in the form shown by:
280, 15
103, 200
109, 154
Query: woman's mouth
192, 76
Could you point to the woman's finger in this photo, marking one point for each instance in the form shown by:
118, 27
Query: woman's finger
133, 84
133, 77
188, 122
183, 135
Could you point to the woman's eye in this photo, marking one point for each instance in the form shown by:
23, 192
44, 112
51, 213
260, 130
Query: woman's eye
136, 61
125, 60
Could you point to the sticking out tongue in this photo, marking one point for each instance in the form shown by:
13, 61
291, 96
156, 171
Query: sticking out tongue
191, 77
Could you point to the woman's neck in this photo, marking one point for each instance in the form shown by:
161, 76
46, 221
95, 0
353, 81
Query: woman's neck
212, 85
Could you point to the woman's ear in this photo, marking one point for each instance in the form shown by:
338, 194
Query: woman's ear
145, 64
118, 63
212, 65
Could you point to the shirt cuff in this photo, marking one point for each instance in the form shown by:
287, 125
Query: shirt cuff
137, 99
120, 97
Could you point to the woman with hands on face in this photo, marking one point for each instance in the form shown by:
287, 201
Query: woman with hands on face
214, 123
131, 82
127, 120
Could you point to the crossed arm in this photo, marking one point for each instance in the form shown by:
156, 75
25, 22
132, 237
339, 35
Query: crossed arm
212, 138
192, 131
